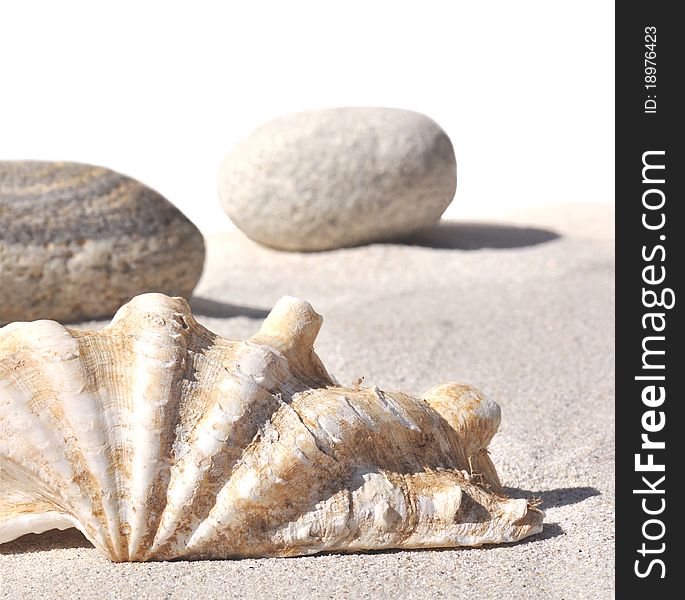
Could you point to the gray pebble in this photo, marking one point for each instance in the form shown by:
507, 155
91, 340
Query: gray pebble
77, 241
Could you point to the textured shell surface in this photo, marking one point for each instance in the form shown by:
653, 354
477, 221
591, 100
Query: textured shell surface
66, 227
161, 440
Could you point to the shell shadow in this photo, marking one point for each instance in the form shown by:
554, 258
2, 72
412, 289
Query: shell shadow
67, 539
556, 497
478, 236
549, 531
223, 310
54, 539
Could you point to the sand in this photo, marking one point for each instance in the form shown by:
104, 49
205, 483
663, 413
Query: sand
522, 307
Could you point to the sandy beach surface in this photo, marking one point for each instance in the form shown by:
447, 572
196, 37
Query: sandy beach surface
522, 307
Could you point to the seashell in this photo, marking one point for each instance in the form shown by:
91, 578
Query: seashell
159, 440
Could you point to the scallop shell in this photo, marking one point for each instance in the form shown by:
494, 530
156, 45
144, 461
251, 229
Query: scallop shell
159, 440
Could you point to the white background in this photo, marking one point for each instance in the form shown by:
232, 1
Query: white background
161, 90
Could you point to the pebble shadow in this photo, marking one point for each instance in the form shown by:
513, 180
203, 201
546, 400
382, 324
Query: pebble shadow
222, 310
477, 236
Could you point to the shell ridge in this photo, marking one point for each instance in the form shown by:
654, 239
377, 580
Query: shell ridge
59, 416
263, 480
238, 416
162, 363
